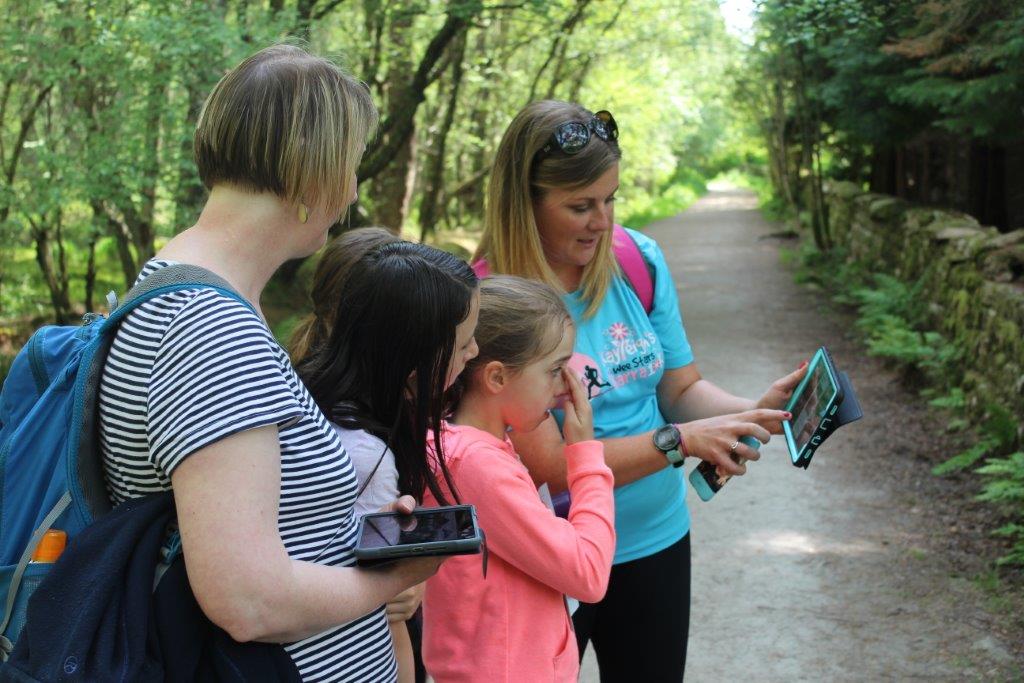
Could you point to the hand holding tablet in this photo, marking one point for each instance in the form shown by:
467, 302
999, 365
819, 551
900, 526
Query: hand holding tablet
822, 402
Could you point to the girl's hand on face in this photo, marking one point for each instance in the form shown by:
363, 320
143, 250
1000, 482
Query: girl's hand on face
712, 439
579, 418
779, 393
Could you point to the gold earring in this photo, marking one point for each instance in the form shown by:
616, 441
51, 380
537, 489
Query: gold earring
303, 213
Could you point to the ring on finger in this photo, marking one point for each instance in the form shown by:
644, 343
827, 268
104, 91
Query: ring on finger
734, 446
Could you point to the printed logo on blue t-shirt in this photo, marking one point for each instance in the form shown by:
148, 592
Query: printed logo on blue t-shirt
625, 358
590, 375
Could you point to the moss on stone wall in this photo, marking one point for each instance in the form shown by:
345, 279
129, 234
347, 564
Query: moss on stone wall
972, 276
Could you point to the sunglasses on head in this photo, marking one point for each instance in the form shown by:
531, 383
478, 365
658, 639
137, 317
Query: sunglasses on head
572, 136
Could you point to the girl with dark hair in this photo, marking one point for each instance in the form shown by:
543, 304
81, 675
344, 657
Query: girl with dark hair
402, 331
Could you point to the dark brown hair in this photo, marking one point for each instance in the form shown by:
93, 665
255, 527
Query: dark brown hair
332, 270
394, 326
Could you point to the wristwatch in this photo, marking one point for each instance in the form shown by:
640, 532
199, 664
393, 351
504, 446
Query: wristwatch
669, 441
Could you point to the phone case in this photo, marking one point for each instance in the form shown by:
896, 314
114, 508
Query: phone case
461, 546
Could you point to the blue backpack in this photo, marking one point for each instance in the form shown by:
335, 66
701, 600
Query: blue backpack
51, 467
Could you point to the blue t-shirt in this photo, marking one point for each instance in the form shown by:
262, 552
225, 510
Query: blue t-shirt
621, 354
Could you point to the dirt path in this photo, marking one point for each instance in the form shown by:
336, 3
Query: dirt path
836, 573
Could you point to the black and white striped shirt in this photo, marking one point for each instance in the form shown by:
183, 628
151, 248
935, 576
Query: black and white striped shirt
192, 367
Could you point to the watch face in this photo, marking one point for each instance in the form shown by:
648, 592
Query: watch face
666, 438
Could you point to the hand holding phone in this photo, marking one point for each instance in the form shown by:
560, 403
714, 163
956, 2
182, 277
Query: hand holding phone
448, 530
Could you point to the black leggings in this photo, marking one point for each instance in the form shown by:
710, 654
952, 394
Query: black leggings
640, 628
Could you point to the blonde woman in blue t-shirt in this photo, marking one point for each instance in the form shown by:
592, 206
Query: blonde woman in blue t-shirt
550, 217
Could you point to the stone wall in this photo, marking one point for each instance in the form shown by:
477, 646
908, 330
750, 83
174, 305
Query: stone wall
973, 279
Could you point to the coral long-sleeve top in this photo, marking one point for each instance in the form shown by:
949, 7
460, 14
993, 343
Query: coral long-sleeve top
514, 625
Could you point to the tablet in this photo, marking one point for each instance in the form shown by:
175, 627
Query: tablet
448, 530
823, 401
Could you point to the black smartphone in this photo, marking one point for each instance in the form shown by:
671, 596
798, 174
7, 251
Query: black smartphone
448, 530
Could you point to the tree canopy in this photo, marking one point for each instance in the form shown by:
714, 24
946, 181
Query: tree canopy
98, 102
923, 99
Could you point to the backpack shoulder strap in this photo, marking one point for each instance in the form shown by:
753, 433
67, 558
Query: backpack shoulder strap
635, 267
172, 278
87, 461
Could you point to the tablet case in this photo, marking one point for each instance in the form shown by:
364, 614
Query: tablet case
848, 410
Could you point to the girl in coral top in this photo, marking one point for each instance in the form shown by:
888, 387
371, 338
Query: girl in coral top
514, 625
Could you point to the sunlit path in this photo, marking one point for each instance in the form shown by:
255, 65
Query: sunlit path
817, 575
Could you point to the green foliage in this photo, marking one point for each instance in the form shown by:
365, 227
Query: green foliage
965, 56
1004, 487
834, 87
672, 200
891, 314
98, 102
1003, 475
965, 459
894, 319
954, 400
96, 121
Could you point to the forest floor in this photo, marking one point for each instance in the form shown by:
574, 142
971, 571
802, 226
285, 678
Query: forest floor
864, 567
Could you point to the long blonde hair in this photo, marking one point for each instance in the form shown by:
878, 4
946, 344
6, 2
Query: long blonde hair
511, 241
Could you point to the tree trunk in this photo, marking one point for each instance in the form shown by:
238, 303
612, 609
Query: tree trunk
375, 20
781, 143
44, 258
471, 199
429, 207
122, 240
398, 127
24, 126
558, 46
808, 144
90, 270
189, 193
389, 191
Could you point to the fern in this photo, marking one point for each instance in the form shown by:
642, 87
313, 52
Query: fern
954, 400
1005, 489
965, 459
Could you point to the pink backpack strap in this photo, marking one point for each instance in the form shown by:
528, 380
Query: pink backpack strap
634, 266
627, 253
481, 268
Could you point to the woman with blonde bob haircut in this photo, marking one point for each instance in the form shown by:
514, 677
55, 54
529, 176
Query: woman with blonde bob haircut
198, 397
550, 216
